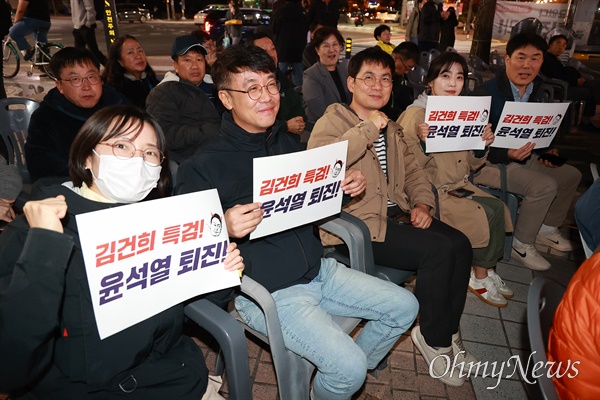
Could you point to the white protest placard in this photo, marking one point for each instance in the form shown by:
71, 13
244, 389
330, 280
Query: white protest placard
528, 122
456, 122
299, 188
144, 258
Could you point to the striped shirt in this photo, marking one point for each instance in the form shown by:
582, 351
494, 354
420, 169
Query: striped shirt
381, 150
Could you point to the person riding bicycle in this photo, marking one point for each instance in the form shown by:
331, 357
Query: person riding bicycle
32, 16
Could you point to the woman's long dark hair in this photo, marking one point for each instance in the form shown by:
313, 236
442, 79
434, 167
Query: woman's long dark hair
443, 63
114, 74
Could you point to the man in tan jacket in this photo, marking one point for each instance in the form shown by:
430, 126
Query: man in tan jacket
397, 205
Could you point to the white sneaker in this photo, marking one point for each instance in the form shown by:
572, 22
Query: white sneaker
554, 239
459, 350
500, 285
440, 361
528, 256
486, 290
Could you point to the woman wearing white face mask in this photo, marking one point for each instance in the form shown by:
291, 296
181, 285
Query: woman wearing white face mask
48, 338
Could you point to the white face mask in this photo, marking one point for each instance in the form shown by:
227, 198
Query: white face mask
125, 181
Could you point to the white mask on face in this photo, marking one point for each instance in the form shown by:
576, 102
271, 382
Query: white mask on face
125, 181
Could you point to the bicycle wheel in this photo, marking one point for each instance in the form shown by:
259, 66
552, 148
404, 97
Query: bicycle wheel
11, 60
47, 52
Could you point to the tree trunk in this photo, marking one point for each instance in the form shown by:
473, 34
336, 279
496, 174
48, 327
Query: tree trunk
482, 38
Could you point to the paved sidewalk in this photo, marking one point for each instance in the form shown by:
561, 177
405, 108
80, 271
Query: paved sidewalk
492, 334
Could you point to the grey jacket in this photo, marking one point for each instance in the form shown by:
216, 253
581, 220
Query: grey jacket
319, 90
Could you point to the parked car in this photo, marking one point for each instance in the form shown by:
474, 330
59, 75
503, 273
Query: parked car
200, 16
214, 23
133, 12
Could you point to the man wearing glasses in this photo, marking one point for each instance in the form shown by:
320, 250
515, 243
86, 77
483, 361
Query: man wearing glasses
397, 206
306, 288
78, 94
406, 56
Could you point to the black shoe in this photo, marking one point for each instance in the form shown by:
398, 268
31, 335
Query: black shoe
28, 54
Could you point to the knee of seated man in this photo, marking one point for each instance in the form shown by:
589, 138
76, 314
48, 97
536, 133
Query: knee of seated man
400, 306
571, 176
542, 185
348, 370
453, 241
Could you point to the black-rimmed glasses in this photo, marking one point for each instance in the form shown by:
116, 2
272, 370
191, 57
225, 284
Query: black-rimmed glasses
406, 66
77, 81
125, 150
370, 80
256, 91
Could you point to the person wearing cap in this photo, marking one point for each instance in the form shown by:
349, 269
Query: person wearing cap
180, 102
78, 94
10, 187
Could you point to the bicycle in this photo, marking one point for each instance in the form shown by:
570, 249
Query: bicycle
42, 54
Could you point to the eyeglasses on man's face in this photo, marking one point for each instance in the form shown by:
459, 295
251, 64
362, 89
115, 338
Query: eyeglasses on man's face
370, 80
125, 150
255, 91
76, 81
406, 67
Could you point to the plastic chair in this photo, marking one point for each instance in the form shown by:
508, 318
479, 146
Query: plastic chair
416, 80
497, 62
557, 91
293, 372
232, 342
363, 255
15, 113
585, 71
586, 249
527, 25
480, 69
542, 300
425, 59
511, 200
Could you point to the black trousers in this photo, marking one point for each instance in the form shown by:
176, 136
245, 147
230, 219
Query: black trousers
442, 256
87, 36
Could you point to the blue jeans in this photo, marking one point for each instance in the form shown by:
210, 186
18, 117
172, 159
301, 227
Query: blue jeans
296, 71
308, 330
28, 26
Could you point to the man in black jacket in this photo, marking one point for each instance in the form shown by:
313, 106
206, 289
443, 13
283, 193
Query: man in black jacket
79, 93
547, 189
307, 289
181, 102
579, 87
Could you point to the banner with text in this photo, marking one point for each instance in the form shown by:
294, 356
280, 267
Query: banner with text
456, 122
299, 188
509, 13
143, 258
528, 122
